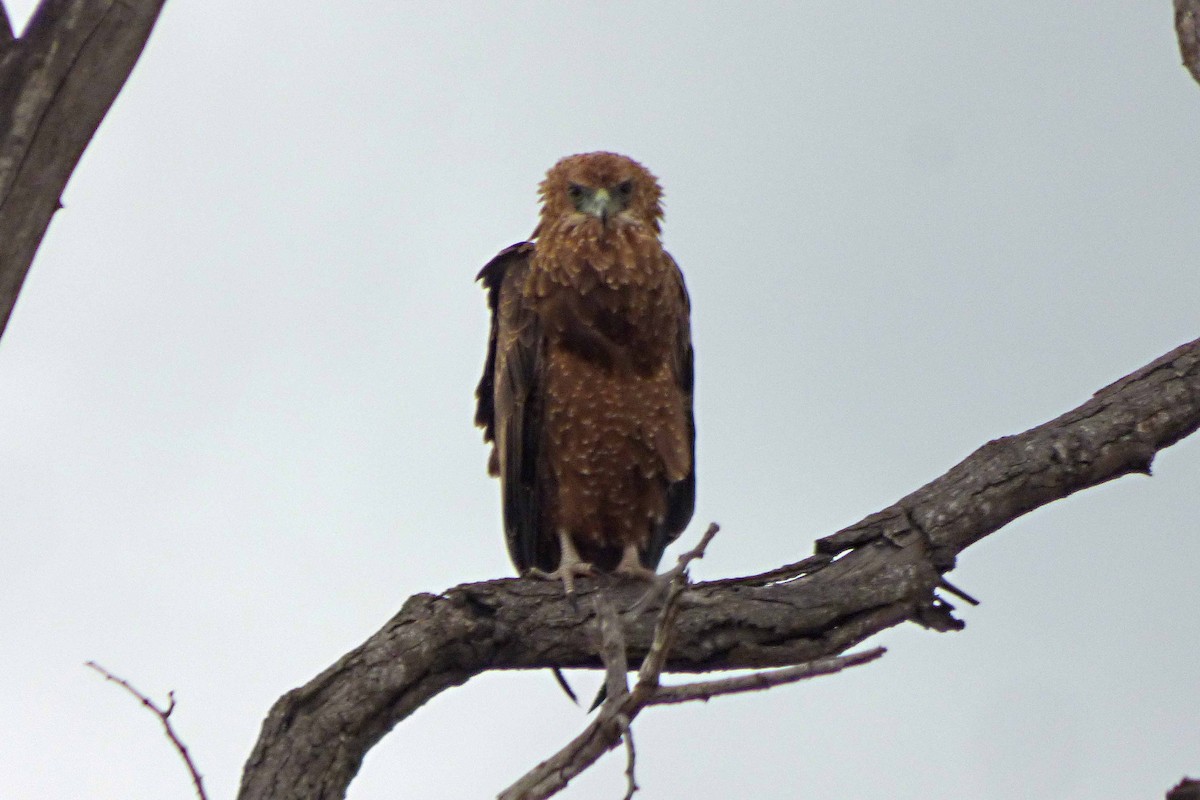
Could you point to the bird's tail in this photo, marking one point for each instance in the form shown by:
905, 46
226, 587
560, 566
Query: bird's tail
566, 687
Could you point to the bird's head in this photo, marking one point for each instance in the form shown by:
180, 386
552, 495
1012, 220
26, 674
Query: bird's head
610, 188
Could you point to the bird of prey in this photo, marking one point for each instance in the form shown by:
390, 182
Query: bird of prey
586, 393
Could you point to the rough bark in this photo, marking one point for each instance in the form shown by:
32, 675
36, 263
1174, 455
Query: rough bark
57, 82
868, 577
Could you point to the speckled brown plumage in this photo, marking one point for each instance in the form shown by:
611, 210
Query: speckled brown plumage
587, 390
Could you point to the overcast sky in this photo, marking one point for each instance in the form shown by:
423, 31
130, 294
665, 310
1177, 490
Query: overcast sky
236, 394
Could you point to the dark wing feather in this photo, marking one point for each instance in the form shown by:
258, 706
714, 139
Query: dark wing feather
485, 406
508, 406
681, 495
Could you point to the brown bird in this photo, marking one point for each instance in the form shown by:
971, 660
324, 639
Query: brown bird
586, 394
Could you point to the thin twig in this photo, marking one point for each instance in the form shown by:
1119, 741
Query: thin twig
630, 759
547, 778
612, 650
957, 592
163, 715
696, 552
664, 628
757, 681
664, 582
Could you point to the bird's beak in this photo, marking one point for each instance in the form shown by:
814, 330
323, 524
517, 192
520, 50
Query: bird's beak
600, 204
603, 201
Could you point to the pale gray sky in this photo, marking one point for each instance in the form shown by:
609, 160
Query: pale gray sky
236, 394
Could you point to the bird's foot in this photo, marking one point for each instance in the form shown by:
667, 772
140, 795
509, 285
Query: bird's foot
631, 566
637, 572
567, 572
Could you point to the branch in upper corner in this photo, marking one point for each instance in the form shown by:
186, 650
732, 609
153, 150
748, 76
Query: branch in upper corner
6, 31
54, 90
163, 715
1187, 789
1187, 28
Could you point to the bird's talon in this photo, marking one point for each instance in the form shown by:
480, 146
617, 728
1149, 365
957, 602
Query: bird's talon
566, 572
637, 573
631, 566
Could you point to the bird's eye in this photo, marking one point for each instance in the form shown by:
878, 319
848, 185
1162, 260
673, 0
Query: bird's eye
575, 191
625, 187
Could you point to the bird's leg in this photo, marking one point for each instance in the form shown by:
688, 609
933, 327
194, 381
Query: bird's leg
569, 565
631, 565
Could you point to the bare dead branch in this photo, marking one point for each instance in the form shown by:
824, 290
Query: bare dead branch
56, 83
957, 592
612, 649
615, 720
550, 776
758, 681
630, 760
616, 717
664, 627
664, 634
163, 715
662, 585
1187, 28
620, 706
6, 31
685, 560
879, 572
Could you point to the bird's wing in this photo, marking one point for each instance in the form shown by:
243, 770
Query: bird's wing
681, 495
508, 404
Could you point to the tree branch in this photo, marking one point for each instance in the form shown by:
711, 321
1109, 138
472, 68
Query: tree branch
56, 83
1186, 789
759, 681
875, 574
615, 720
164, 716
620, 706
613, 723
1187, 28
6, 31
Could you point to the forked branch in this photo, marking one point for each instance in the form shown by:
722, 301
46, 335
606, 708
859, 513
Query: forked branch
614, 721
882, 571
